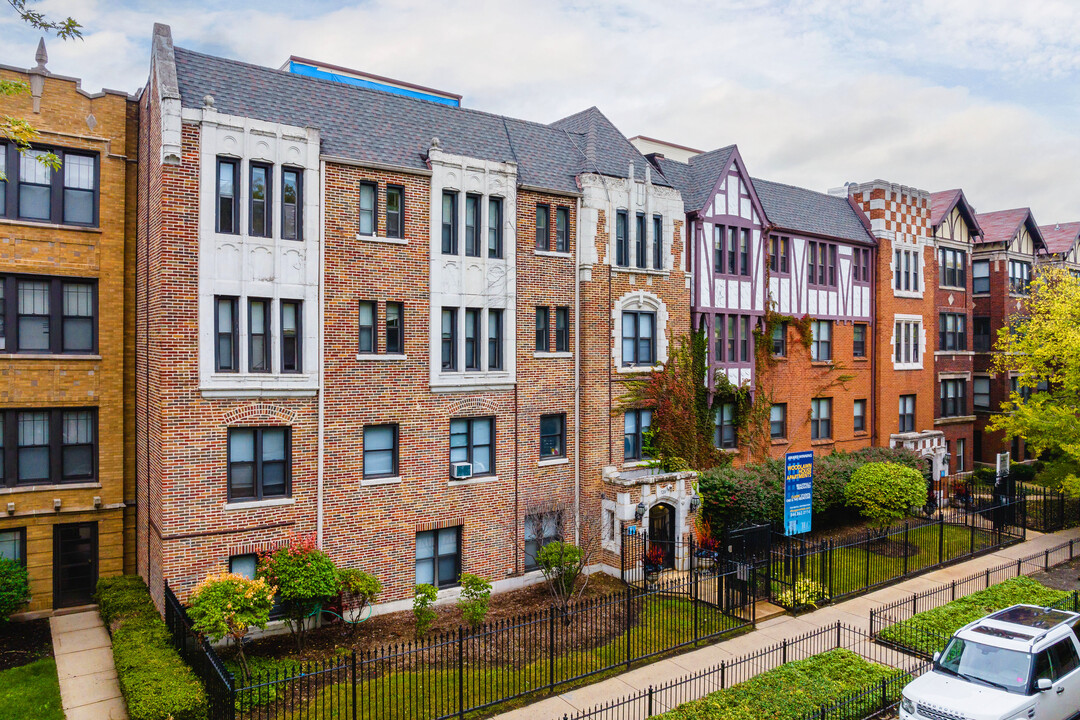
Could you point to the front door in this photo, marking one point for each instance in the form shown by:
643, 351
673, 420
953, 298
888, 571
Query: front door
75, 559
662, 531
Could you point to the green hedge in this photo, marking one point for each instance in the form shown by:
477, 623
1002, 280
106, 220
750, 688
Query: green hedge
928, 631
156, 682
790, 691
755, 493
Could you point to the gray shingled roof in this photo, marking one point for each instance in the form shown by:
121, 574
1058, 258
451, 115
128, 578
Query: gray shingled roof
372, 126
801, 210
606, 150
697, 178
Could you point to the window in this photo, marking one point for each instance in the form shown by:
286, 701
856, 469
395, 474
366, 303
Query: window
980, 276
907, 342
562, 230
1019, 277
821, 260
79, 189
952, 331
981, 341
292, 204
258, 335
543, 324
228, 210
368, 331
562, 329
718, 338
635, 424
1063, 654
981, 392
449, 339
732, 249
642, 242
952, 268
953, 398
449, 223
438, 557
718, 248
3, 179
832, 265
732, 337
260, 218
540, 529
472, 440
50, 315
472, 225
724, 426
495, 227
907, 413
821, 419
638, 346
658, 241
226, 329
778, 421
260, 463
778, 254
858, 348
13, 542
779, 340
495, 341
961, 455
744, 251
906, 270
552, 436
744, 338
35, 186
244, 565
368, 208
290, 336
543, 227
472, 338
785, 254
859, 424
821, 345
395, 328
622, 239
860, 265
395, 211
40, 193
51, 446
380, 451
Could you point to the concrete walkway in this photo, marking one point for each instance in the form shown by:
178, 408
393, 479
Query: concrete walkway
84, 662
854, 613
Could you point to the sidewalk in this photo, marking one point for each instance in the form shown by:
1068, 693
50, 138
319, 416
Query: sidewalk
84, 663
854, 613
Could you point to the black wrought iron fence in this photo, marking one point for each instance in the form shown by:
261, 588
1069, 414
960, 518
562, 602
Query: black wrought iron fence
1050, 510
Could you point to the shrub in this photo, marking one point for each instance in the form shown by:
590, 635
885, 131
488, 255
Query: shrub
155, 681
806, 592
231, 605
560, 563
475, 594
423, 598
885, 492
358, 585
14, 587
304, 577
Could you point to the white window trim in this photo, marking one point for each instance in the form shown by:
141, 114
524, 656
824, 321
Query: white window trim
917, 249
640, 301
382, 239
918, 320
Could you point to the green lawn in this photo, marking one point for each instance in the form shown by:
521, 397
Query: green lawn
414, 694
854, 568
791, 691
31, 692
928, 631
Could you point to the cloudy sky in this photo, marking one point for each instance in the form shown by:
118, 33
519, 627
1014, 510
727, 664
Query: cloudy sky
981, 94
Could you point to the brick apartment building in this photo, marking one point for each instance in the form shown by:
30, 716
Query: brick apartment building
1001, 268
955, 232
65, 279
1062, 246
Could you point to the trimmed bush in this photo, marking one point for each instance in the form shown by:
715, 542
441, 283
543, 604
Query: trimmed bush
231, 605
475, 595
885, 492
14, 587
423, 598
156, 682
561, 564
305, 577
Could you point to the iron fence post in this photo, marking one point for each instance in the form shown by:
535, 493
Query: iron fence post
722, 668
628, 626
650, 701
884, 694
941, 539
872, 622
905, 548
461, 672
354, 684
551, 646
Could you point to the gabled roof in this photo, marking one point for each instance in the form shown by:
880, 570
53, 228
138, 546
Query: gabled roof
1001, 226
607, 151
800, 210
943, 202
371, 126
1060, 238
696, 179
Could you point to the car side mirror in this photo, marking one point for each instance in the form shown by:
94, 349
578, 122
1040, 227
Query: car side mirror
937, 656
1043, 684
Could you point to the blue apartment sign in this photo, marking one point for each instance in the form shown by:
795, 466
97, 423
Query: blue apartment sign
798, 492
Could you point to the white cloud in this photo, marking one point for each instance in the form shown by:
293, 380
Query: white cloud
975, 93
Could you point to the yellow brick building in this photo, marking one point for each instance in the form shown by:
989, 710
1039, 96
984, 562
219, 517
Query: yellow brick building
66, 363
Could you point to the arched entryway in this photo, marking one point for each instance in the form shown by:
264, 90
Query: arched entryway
662, 531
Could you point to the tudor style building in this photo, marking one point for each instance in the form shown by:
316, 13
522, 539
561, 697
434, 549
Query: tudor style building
65, 281
1062, 246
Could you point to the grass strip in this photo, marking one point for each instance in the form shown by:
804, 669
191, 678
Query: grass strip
31, 692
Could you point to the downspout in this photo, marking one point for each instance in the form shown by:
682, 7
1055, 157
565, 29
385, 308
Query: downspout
577, 375
322, 357
874, 346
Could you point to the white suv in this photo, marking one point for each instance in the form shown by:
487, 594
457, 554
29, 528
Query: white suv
1021, 662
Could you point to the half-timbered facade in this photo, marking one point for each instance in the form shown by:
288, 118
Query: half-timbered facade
1062, 246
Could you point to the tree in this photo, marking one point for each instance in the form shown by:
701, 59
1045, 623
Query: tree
305, 577
885, 492
230, 605
1043, 349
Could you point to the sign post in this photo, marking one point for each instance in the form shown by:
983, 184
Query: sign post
798, 492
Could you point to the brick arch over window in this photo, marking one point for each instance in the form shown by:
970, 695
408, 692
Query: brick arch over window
259, 413
473, 406
640, 300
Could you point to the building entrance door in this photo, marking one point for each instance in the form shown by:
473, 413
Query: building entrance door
75, 564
